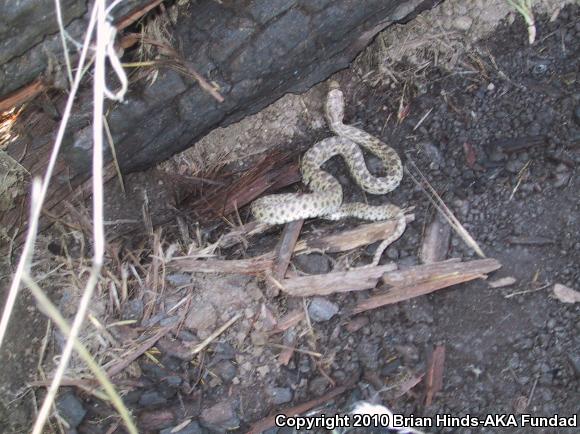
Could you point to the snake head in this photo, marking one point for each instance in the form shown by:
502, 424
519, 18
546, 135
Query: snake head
334, 107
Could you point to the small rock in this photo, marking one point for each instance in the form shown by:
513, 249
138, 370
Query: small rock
225, 370
133, 310
201, 318
321, 309
220, 417
561, 179
313, 263
566, 294
279, 395
71, 409
173, 380
463, 23
151, 399
432, 152
223, 351
179, 279
318, 386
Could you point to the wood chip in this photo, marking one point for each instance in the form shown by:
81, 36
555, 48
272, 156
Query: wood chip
434, 376
436, 241
283, 253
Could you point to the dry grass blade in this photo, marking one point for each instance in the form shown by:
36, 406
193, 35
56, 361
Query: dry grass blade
51, 310
201, 346
438, 203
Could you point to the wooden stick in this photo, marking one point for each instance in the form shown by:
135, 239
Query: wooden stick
356, 279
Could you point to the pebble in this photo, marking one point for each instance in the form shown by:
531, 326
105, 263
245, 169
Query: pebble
152, 398
71, 409
133, 310
313, 263
201, 318
279, 395
179, 279
463, 23
318, 386
226, 370
321, 309
220, 417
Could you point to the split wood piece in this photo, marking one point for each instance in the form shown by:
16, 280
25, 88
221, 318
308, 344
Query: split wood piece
434, 377
250, 266
439, 270
357, 279
283, 254
22, 95
360, 236
420, 281
270, 421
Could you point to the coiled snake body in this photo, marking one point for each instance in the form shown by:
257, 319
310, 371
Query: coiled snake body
325, 201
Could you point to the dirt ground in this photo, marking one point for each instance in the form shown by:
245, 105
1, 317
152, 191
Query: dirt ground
494, 125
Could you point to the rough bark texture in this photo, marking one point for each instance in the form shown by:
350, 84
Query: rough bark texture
254, 50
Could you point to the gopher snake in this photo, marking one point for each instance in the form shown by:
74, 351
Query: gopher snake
326, 198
